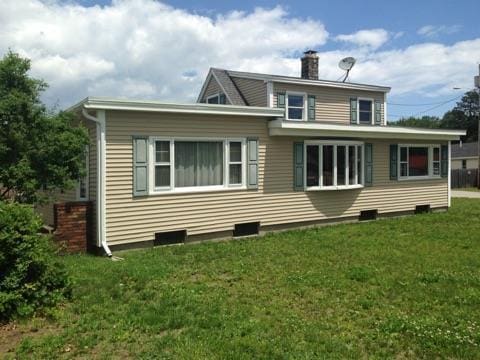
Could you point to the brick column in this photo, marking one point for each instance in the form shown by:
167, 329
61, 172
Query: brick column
73, 226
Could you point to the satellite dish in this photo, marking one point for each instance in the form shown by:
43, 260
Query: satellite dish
347, 65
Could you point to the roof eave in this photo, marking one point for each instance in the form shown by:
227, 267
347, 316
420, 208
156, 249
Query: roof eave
299, 81
153, 106
284, 128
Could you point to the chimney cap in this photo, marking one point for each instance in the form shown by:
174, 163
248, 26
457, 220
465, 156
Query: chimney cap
310, 52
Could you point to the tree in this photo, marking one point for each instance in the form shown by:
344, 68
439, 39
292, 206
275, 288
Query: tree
39, 150
429, 122
464, 116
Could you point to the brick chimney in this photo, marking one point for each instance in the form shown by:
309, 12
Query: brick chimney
310, 65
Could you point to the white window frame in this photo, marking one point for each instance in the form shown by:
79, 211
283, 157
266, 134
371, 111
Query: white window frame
360, 182
430, 174
372, 110
217, 95
305, 105
87, 178
193, 189
230, 162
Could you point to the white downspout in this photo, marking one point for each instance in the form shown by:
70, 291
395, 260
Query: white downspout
101, 171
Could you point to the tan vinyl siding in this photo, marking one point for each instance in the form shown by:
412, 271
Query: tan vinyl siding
253, 91
212, 89
131, 219
331, 105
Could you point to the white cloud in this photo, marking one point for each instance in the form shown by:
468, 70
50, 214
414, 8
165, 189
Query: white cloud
372, 38
433, 31
427, 69
144, 48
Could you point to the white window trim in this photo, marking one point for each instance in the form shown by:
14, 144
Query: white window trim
359, 185
241, 162
305, 105
195, 189
372, 110
87, 178
212, 96
430, 162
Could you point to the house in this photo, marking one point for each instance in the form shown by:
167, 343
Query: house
256, 153
465, 156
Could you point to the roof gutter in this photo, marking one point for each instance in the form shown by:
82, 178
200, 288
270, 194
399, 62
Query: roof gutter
101, 170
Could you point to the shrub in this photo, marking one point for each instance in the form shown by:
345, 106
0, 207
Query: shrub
31, 277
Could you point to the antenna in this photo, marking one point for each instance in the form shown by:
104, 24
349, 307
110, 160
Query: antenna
347, 65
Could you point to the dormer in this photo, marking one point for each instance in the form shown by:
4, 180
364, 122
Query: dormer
304, 98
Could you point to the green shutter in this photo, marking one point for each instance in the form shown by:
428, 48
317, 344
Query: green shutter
393, 162
222, 99
311, 107
281, 100
252, 168
298, 164
353, 110
140, 165
368, 164
444, 160
378, 113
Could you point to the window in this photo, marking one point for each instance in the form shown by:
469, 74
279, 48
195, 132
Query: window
216, 99
464, 164
295, 106
162, 164
235, 163
365, 113
82, 190
333, 165
191, 164
419, 161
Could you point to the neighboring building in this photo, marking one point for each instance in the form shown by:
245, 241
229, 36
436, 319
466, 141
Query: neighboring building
465, 156
256, 153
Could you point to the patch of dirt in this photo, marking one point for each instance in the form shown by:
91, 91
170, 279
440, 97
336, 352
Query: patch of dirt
12, 334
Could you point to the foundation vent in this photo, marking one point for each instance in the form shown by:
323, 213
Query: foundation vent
245, 229
368, 215
170, 237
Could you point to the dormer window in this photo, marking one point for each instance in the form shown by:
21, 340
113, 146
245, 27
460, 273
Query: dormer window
216, 99
295, 106
365, 111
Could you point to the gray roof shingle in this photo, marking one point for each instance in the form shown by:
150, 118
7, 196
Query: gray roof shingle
466, 150
227, 84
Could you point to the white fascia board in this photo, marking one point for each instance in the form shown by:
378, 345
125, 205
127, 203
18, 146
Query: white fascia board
299, 81
154, 106
204, 86
290, 128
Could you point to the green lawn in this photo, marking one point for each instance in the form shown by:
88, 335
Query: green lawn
397, 288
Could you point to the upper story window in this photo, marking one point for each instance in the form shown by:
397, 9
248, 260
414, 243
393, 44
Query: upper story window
295, 103
333, 165
190, 164
419, 161
464, 164
217, 99
365, 111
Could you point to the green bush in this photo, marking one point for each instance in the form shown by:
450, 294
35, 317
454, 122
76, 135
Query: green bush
31, 277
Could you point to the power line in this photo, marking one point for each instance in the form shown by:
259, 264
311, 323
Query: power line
426, 104
437, 105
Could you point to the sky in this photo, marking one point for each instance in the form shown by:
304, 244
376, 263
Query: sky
427, 51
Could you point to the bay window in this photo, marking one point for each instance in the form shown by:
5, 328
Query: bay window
333, 165
192, 165
419, 161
